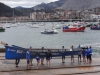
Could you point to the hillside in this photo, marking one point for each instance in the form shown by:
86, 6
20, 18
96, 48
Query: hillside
70, 4
8, 11
60, 4
80, 4
50, 5
5, 10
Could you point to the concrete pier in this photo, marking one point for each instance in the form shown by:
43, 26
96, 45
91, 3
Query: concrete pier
7, 67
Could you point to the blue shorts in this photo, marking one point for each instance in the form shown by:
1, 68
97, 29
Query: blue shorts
47, 58
84, 55
37, 58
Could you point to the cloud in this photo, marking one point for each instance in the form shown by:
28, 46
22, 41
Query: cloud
24, 3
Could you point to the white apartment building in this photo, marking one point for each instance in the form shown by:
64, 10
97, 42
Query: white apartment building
37, 15
93, 16
33, 16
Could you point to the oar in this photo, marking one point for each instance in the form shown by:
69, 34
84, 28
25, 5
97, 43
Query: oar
3, 43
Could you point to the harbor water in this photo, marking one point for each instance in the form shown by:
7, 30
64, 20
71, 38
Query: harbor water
24, 36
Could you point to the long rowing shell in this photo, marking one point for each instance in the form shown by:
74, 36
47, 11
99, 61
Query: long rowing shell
15, 52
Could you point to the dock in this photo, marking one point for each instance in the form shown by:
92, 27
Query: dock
7, 67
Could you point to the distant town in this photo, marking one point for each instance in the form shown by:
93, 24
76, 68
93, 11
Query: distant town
58, 14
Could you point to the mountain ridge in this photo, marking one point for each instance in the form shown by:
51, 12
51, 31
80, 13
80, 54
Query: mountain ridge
60, 4
70, 4
80, 4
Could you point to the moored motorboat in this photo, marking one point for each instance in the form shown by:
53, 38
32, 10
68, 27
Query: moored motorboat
95, 26
2, 29
13, 25
57, 26
46, 31
54, 30
8, 26
41, 24
34, 26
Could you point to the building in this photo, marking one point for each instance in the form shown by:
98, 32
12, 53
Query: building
33, 16
86, 14
94, 17
37, 15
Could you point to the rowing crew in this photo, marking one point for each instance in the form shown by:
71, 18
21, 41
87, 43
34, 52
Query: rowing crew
48, 57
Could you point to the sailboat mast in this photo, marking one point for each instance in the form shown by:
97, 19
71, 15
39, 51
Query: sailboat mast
13, 15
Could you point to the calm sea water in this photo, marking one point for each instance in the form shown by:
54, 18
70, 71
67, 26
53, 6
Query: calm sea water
25, 37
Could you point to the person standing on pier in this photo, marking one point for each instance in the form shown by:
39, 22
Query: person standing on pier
90, 54
38, 59
79, 56
63, 56
84, 53
28, 58
42, 58
17, 62
48, 57
31, 59
72, 56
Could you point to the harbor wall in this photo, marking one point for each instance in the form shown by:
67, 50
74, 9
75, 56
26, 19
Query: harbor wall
68, 20
2, 49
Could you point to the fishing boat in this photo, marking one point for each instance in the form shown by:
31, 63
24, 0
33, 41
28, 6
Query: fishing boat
79, 27
2, 29
16, 52
95, 26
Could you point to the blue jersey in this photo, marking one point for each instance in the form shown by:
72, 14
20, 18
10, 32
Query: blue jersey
84, 52
27, 55
88, 52
79, 46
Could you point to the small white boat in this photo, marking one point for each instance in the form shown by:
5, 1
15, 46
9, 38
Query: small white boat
34, 26
8, 26
57, 26
62, 22
41, 24
13, 25
46, 31
2, 29
19, 24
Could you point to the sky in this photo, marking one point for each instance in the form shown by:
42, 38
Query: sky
24, 3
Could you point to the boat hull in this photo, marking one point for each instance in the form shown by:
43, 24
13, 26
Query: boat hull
2, 29
14, 52
81, 29
95, 28
47, 32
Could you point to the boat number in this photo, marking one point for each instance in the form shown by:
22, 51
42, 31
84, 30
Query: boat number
55, 53
11, 50
19, 51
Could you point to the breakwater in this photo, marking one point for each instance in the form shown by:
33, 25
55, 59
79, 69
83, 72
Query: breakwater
54, 20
